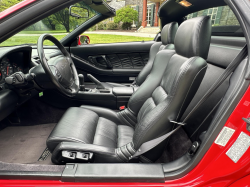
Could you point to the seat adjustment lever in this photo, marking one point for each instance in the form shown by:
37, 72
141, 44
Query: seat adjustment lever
76, 157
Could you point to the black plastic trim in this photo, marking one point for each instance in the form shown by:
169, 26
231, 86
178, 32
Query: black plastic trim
91, 172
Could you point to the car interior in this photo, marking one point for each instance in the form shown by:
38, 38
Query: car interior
81, 112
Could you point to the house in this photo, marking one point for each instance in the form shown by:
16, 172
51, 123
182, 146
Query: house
147, 10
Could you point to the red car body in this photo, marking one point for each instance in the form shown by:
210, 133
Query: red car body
215, 169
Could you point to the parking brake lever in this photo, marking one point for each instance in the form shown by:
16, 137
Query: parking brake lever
94, 80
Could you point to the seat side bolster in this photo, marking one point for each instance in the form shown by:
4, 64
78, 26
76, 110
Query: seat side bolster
104, 112
105, 154
146, 70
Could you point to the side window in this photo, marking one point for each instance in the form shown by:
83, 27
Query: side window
126, 26
220, 16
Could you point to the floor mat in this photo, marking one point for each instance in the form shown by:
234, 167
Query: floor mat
178, 145
25, 144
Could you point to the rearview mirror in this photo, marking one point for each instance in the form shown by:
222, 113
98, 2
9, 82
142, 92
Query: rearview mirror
83, 40
78, 12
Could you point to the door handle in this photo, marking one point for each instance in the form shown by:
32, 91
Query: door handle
96, 60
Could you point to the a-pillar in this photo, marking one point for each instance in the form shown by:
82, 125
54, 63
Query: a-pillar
144, 14
157, 5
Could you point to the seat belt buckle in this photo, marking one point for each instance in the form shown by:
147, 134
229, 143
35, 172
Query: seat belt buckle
122, 107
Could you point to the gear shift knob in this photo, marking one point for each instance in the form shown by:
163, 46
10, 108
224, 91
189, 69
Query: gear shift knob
81, 81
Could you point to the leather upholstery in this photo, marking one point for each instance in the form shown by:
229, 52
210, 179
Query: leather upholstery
167, 36
163, 97
99, 127
190, 39
168, 33
123, 91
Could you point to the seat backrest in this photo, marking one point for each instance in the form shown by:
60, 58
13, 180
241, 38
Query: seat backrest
167, 42
172, 83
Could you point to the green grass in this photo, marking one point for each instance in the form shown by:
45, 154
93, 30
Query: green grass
109, 38
18, 40
94, 39
42, 32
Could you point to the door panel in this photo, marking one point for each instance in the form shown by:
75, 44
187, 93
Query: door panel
116, 62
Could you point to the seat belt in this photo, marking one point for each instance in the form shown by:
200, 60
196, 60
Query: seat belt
145, 147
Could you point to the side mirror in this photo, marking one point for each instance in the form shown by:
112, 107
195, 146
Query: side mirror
78, 12
83, 40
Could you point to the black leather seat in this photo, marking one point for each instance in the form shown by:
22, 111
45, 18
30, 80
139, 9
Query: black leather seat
167, 42
164, 96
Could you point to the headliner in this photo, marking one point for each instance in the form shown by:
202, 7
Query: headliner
172, 11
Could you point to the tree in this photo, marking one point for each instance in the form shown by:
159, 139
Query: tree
4, 4
62, 17
49, 22
126, 15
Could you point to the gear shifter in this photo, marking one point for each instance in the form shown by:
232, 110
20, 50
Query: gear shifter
94, 80
81, 80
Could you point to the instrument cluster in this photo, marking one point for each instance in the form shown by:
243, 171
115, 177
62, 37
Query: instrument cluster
11, 64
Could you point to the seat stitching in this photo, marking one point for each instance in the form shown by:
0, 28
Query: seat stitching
148, 106
104, 136
179, 76
129, 123
104, 129
65, 138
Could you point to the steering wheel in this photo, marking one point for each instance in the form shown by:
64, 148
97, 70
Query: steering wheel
60, 68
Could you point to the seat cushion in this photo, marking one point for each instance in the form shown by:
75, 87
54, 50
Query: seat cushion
85, 126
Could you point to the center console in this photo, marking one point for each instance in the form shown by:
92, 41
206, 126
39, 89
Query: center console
105, 97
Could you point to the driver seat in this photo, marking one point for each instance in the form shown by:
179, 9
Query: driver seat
113, 137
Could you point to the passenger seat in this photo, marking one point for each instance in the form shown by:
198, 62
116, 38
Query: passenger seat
167, 42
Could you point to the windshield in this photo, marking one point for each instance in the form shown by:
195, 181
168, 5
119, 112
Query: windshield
58, 24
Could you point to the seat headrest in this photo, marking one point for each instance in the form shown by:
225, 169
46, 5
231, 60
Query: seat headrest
168, 33
193, 37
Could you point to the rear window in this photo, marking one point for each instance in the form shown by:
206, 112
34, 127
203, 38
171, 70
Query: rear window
224, 22
220, 16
